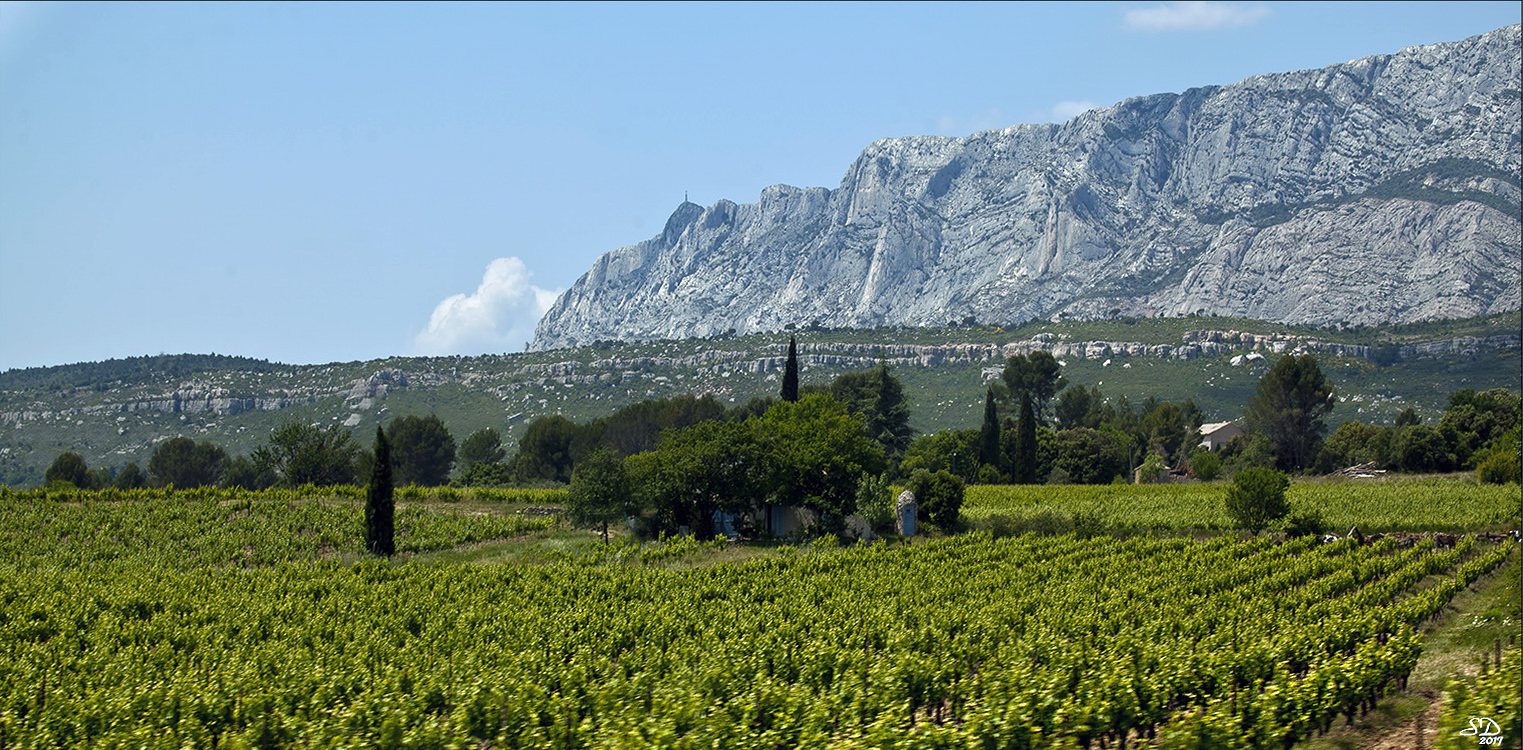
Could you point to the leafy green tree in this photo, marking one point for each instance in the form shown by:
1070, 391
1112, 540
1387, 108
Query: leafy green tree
380, 505
875, 501
241, 472
988, 435
1293, 397
300, 453
696, 471
70, 467
601, 491
638, 427
1089, 456
953, 450
817, 452
757, 406
131, 477
1422, 448
1151, 469
185, 463
1246, 452
791, 373
1474, 420
544, 451
487, 475
422, 450
1039, 375
1354, 443
481, 447
1257, 498
1407, 418
938, 497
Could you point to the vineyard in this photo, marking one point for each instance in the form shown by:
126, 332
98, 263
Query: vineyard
166, 529
1411, 505
175, 620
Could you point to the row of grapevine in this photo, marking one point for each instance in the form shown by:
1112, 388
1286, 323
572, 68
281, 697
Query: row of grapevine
969, 641
410, 493
220, 527
1395, 506
1485, 712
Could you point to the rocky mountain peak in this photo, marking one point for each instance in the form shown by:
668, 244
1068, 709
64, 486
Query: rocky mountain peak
1382, 189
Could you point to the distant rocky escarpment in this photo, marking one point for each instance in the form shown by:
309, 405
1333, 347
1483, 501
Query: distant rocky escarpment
1385, 189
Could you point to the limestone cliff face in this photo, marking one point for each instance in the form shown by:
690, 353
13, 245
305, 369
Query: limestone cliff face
1383, 189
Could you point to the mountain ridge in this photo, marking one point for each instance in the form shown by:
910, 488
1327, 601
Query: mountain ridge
1371, 191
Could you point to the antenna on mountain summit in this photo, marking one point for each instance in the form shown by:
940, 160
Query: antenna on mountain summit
684, 196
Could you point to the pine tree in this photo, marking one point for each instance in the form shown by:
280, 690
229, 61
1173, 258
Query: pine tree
380, 508
988, 437
791, 373
1292, 399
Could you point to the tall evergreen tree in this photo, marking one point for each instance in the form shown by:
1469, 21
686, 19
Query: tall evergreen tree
1025, 443
988, 437
890, 422
791, 373
380, 508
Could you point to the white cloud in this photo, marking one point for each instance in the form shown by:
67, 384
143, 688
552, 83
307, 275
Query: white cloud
499, 317
1067, 110
1194, 16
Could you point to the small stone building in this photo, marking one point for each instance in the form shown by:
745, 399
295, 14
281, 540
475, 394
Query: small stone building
904, 514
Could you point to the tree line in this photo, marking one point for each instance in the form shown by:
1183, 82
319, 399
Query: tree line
1037, 428
422, 452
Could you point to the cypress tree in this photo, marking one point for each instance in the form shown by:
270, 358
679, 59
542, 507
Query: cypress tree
1025, 443
988, 437
380, 508
791, 373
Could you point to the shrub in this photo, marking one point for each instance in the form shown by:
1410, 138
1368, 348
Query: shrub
1500, 468
1151, 467
1305, 523
989, 475
1046, 523
1206, 464
487, 475
1257, 498
1001, 526
938, 496
1499, 463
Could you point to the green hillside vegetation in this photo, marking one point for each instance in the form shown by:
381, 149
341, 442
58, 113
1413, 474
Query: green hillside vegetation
44, 412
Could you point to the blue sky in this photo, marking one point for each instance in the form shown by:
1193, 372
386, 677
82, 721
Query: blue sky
319, 183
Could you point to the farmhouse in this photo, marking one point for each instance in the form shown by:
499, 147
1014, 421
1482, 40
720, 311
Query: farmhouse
1217, 434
